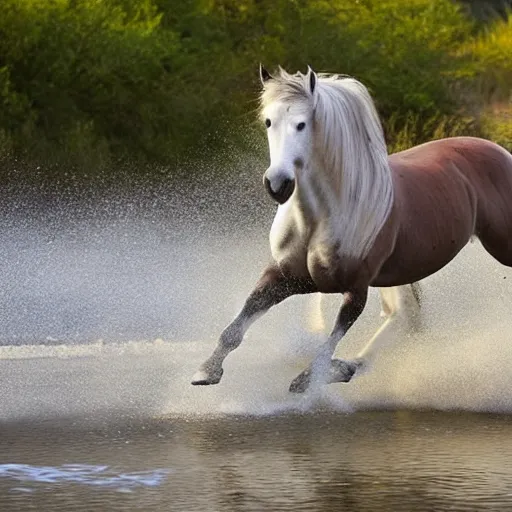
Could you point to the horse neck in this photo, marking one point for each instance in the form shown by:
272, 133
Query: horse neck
350, 200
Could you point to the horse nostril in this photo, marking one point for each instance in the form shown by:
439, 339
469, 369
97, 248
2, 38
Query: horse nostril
266, 182
283, 193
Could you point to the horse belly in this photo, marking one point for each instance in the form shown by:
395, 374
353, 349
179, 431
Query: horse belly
427, 247
406, 267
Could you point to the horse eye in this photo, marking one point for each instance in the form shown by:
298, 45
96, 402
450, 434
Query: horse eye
267, 123
301, 126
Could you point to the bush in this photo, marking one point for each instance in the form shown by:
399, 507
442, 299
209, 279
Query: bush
153, 80
403, 51
497, 124
99, 70
491, 55
488, 10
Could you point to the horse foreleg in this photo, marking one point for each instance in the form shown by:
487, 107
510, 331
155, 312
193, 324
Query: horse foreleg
272, 288
336, 370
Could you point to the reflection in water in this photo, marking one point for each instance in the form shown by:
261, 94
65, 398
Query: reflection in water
383, 461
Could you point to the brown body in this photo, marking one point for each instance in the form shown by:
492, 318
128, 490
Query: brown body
445, 192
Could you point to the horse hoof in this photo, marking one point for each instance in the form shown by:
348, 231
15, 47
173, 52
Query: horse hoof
342, 371
203, 378
301, 383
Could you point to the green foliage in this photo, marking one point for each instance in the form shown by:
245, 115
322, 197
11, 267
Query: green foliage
402, 135
488, 10
153, 80
491, 54
403, 51
85, 64
497, 124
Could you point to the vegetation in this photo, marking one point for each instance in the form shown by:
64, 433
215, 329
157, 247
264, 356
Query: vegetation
149, 81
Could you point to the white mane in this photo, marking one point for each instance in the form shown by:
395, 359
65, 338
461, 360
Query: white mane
350, 151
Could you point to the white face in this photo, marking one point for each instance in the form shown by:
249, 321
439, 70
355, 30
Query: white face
290, 136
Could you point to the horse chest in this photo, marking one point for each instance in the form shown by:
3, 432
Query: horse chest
305, 252
288, 240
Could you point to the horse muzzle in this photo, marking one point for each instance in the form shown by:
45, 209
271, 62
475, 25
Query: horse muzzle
283, 193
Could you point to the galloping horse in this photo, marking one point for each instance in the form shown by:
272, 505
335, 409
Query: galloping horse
351, 217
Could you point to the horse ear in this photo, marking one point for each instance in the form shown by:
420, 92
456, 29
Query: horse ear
312, 80
265, 76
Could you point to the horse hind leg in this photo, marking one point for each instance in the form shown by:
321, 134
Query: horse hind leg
317, 314
400, 304
493, 225
404, 299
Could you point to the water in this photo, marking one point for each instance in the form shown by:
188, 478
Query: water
366, 461
108, 305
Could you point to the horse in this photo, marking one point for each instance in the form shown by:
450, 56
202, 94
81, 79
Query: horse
350, 216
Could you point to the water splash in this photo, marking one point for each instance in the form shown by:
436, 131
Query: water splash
82, 474
110, 308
